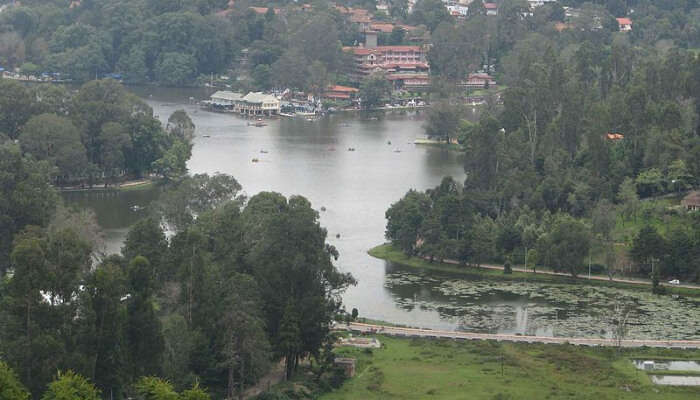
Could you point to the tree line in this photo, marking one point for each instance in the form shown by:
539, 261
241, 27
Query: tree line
237, 285
99, 133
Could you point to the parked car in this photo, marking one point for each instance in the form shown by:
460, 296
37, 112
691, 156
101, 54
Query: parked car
674, 282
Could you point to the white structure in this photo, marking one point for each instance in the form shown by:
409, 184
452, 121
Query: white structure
537, 3
225, 98
259, 103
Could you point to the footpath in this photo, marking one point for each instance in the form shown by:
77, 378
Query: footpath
583, 277
459, 335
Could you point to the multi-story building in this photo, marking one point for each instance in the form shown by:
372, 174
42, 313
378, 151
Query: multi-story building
388, 59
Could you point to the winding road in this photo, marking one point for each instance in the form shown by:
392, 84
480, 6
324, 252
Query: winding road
459, 335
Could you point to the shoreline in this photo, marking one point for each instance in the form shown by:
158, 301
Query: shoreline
387, 252
141, 184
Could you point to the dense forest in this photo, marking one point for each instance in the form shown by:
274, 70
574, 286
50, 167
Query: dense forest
99, 133
585, 142
239, 284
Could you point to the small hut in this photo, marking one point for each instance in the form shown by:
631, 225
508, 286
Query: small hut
691, 202
347, 364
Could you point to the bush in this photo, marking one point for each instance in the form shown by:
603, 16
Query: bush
507, 269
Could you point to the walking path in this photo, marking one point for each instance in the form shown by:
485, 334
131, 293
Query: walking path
433, 334
592, 277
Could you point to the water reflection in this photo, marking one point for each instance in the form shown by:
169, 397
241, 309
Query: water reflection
477, 305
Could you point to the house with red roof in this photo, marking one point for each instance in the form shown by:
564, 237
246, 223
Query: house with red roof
337, 92
491, 8
625, 24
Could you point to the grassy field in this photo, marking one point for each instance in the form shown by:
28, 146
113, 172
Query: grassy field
445, 369
388, 252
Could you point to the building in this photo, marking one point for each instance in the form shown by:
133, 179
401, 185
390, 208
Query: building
480, 81
691, 202
625, 24
347, 364
417, 82
254, 103
538, 3
491, 8
337, 92
388, 59
614, 136
258, 103
224, 100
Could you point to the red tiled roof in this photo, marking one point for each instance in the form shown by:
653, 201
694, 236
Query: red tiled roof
343, 96
263, 10
381, 49
338, 88
615, 136
360, 18
382, 27
490, 6
624, 21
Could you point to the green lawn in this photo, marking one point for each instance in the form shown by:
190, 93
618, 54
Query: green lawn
390, 253
445, 369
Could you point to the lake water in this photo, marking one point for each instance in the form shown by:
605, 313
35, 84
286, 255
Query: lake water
356, 188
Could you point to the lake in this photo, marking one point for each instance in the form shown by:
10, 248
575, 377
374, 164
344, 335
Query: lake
356, 188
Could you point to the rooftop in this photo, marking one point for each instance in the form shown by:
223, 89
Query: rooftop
624, 21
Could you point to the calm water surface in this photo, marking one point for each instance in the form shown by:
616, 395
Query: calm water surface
356, 188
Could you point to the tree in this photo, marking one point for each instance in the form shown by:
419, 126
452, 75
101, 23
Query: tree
629, 198
180, 126
176, 69
10, 386
293, 265
152, 388
103, 325
71, 386
147, 239
115, 142
397, 36
429, 13
15, 107
246, 343
26, 197
569, 243
443, 121
194, 195
56, 140
648, 247
405, 219
373, 90
144, 335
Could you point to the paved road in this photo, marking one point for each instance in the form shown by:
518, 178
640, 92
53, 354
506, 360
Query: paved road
433, 334
593, 277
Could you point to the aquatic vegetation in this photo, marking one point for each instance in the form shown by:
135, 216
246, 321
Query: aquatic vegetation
545, 309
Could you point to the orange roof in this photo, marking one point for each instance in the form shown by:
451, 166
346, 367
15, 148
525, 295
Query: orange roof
336, 95
490, 6
615, 136
624, 21
560, 26
263, 10
380, 49
360, 18
338, 88
382, 27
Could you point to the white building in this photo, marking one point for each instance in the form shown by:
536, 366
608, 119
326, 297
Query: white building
255, 103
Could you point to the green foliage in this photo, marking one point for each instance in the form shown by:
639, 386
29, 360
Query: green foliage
10, 386
153, 388
373, 90
71, 386
56, 140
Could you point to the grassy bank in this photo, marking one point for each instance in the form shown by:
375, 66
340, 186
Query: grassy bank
445, 369
390, 253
